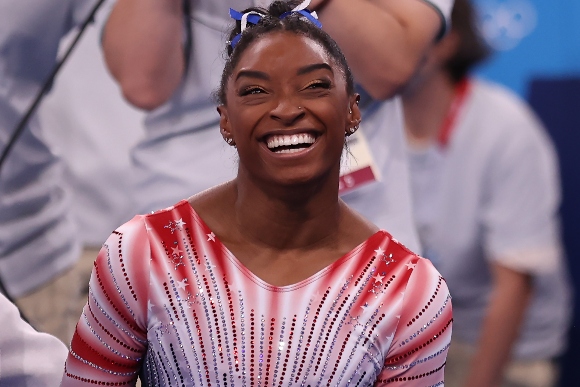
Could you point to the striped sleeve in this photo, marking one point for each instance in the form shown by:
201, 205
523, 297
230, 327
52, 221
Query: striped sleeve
419, 348
110, 338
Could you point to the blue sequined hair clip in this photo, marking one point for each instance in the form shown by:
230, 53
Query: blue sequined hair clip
254, 17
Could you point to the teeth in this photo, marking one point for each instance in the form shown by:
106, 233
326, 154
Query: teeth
292, 139
293, 150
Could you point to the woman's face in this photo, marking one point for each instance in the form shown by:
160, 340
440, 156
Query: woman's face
287, 110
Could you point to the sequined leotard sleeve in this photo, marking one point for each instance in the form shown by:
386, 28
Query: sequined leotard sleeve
418, 351
169, 300
111, 336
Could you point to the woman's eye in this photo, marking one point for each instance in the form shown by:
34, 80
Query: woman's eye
251, 90
318, 84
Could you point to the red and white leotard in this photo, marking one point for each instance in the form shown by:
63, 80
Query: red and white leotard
169, 301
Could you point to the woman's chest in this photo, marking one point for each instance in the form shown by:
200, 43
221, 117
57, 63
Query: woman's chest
222, 328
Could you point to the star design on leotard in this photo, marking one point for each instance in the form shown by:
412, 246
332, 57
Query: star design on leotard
410, 265
190, 301
379, 278
182, 284
388, 260
176, 250
211, 237
164, 328
380, 253
177, 260
354, 321
174, 226
377, 289
194, 301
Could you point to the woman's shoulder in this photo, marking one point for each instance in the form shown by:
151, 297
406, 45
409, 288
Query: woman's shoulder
397, 258
142, 229
171, 217
397, 249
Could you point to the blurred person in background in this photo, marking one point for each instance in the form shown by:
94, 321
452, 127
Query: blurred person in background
486, 194
92, 130
27, 358
166, 56
38, 243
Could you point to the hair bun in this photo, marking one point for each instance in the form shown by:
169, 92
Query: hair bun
277, 8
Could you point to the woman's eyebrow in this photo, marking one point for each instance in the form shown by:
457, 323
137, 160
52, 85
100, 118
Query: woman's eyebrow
253, 74
313, 67
300, 71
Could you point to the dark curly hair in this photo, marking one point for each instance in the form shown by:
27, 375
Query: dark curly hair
271, 22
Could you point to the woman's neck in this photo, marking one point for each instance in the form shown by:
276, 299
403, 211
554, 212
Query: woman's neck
242, 212
287, 218
425, 107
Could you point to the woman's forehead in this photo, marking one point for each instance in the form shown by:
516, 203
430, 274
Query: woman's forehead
285, 49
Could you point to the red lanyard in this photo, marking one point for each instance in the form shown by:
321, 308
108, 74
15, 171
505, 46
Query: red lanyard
461, 91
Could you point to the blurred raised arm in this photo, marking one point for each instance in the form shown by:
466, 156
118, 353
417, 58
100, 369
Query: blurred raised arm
384, 41
143, 47
503, 319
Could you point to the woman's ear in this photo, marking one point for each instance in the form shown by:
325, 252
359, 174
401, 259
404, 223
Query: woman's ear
354, 114
225, 127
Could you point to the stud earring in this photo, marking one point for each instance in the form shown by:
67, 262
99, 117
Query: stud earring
349, 111
230, 141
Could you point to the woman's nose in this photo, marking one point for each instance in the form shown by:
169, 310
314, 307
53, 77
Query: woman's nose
287, 111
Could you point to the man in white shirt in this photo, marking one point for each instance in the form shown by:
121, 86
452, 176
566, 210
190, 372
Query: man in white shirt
38, 243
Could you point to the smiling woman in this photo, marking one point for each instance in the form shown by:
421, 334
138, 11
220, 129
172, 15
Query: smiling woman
288, 110
269, 278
